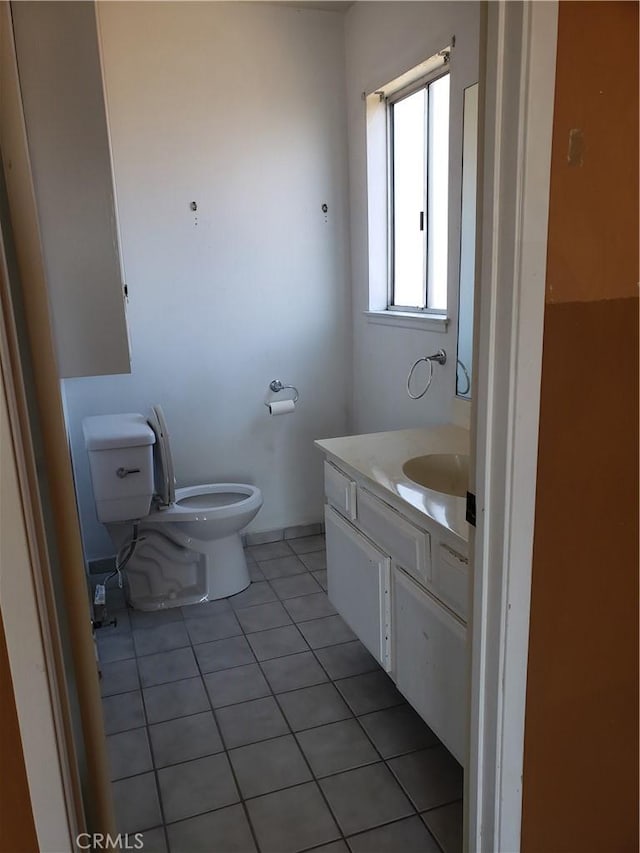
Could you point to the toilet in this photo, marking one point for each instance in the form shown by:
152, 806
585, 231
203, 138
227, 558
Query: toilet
189, 548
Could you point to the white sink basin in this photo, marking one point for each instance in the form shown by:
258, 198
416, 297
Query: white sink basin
443, 472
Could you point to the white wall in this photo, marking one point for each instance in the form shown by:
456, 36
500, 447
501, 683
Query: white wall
239, 107
384, 40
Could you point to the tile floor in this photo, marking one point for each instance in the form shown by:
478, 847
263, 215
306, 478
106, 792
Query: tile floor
260, 723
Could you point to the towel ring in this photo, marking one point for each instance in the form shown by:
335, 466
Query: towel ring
460, 364
276, 386
440, 357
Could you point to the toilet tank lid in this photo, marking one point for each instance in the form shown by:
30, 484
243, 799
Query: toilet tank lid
109, 432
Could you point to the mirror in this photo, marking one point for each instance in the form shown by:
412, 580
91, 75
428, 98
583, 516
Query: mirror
467, 242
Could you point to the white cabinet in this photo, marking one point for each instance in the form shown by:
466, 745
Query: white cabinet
63, 101
429, 660
358, 583
402, 587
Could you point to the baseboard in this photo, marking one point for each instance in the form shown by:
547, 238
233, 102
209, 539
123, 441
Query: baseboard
295, 532
108, 564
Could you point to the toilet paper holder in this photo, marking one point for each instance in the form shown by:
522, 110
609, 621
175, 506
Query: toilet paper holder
276, 386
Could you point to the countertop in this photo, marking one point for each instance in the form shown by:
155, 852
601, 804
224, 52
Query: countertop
379, 456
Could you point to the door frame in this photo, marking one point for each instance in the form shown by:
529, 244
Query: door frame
519, 85
33, 646
46, 619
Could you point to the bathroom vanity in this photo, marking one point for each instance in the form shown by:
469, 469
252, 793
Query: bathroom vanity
397, 563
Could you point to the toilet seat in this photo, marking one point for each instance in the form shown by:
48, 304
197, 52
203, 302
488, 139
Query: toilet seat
191, 503
165, 477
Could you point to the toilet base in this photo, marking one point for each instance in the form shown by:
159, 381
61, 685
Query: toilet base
226, 567
163, 573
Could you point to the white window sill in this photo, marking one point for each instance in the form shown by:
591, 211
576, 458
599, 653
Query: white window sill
409, 320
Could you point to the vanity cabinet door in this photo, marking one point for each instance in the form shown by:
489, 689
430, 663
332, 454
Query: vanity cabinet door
429, 660
358, 583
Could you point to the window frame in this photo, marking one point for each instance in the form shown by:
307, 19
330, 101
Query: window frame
423, 82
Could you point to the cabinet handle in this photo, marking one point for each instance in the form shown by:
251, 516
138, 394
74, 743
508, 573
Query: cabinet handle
350, 503
124, 472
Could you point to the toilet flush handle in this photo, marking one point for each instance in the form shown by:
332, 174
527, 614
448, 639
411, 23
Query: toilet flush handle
124, 472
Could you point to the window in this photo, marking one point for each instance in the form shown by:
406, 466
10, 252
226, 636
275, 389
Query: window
418, 126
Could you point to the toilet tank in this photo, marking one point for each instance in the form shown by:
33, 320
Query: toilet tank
120, 449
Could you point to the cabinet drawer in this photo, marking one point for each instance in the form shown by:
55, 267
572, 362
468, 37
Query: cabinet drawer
340, 491
408, 545
451, 579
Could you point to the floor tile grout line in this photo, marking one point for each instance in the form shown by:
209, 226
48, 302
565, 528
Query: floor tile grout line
372, 829
431, 833
301, 785
384, 760
244, 702
315, 778
306, 761
297, 554
295, 733
344, 837
184, 621
382, 757
275, 592
191, 645
226, 752
204, 673
304, 757
329, 676
154, 768
441, 805
370, 739
153, 764
437, 843
224, 669
390, 823
277, 657
246, 635
403, 786
151, 752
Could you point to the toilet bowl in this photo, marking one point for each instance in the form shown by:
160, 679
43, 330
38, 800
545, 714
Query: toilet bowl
210, 512
188, 547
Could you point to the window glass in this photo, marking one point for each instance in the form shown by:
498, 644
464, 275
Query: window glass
408, 176
419, 184
438, 193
